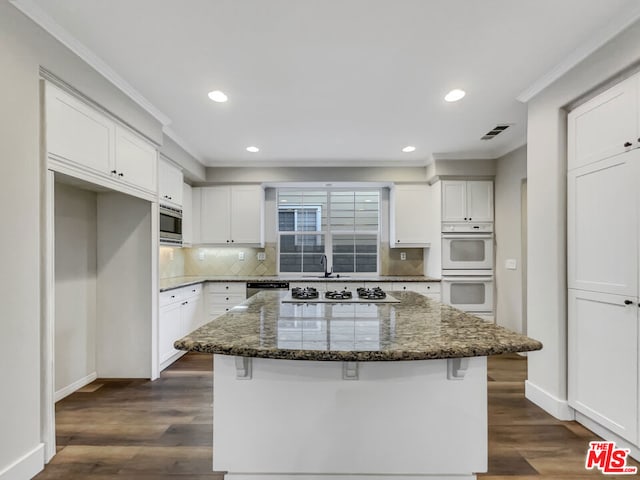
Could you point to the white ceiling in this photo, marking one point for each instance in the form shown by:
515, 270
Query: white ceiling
342, 82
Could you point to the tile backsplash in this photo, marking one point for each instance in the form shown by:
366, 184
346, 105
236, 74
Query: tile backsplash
175, 262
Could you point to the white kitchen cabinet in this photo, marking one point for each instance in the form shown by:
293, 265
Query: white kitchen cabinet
169, 329
135, 161
85, 143
180, 314
602, 225
77, 133
467, 201
603, 217
187, 215
606, 125
603, 360
232, 215
428, 289
170, 182
223, 296
409, 226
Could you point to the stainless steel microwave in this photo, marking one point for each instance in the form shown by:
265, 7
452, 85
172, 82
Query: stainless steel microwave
170, 225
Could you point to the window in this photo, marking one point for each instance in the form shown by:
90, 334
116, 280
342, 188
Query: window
341, 224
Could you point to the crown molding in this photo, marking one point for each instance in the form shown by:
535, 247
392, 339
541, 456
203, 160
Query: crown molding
41, 18
316, 163
463, 156
594, 42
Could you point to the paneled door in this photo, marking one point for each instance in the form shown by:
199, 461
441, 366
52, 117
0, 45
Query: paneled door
602, 226
603, 360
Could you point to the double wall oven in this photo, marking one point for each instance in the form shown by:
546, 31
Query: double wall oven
467, 266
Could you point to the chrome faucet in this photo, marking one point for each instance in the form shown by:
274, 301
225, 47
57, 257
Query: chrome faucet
323, 261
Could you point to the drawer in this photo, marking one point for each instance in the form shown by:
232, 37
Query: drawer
225, 299
418, 287
193, 291
172, 296
227, 287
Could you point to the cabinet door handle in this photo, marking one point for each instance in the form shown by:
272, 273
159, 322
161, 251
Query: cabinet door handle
627, 144
628, 302
232, 241
173, 296
113, 171
121, 174
465, 218
227, 241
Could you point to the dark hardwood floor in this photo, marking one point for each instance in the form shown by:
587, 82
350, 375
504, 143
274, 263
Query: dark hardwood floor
136, 429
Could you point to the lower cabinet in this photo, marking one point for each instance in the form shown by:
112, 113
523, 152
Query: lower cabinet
428, 289
180, 314
603, 360
223, 296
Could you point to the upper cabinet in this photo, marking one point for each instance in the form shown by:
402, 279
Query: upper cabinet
232, 215
606, 125
170, 184
407, 227
467, 201
85, 143
187, 215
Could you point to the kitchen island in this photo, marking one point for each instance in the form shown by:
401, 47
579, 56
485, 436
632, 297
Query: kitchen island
344, 391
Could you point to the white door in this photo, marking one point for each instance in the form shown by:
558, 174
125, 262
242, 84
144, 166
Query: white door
246, 214
605, 125
136, 160
409, 228
169, 183
602, 225
480, 201
454, 201
214, 215
603, 360
187, 214
169, 330
191, 316
77, 133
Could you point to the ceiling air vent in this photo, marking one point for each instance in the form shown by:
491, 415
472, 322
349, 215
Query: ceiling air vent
495, 131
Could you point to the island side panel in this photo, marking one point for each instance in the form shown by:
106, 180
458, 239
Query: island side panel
399, 418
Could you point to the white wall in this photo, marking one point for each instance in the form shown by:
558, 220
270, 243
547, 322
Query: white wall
511, 169
24, 47
546, 239
75, 285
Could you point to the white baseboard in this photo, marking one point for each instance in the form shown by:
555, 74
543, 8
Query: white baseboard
608, 435
26, 466
171, 359
69, 389
551, 404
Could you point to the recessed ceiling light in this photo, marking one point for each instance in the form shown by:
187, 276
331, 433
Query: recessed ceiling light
218, 96
409, 148
253, 149
454, 95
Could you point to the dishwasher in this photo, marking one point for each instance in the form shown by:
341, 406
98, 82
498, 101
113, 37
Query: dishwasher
256, 287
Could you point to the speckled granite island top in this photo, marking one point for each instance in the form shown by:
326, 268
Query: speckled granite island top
415, 329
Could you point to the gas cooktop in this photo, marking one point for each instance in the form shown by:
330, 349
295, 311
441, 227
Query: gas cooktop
361, 295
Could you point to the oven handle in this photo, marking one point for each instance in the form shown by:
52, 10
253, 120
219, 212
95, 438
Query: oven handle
467, 279
467, 235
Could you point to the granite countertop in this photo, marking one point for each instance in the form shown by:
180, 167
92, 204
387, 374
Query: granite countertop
178, 282
415, 329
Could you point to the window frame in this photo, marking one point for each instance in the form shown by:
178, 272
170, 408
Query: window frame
328, 233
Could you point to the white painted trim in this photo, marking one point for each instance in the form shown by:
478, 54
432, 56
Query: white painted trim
594, 42
40, 17
319, 162
463, 156
155, 289
170, 360
608, 435
47, 341
171, 133
69, 389
26, 466
551, 404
